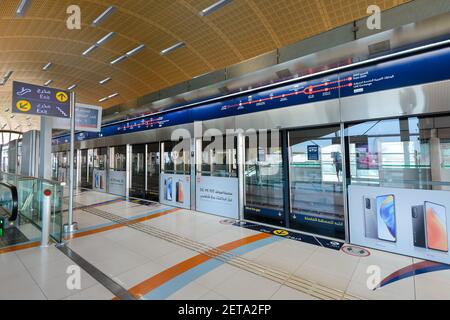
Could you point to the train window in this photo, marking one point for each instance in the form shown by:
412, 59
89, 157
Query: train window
411, 153
219, 157
118, 158
315, 181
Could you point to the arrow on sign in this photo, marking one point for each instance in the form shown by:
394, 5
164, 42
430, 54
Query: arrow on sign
62, 111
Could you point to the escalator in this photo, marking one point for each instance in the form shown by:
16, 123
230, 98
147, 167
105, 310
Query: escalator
10, 233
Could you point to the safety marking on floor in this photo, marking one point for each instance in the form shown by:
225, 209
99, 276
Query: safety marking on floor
19, 247
121, 225
297, 236
413, 270
355, 251
95, 273
106, 224
160, 280
281, 233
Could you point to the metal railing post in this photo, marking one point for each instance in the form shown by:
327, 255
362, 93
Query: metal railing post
46, 217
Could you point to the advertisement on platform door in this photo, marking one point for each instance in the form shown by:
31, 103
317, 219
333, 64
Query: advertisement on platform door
99, 180
218, 196
117, 183
404, 221
175, 190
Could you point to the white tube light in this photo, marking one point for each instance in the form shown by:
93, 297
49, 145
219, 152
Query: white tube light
172, 48
47, 66
47, 83
22, 8
103, 16
214, 7
102, 82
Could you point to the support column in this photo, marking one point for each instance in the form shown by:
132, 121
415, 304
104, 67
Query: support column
45, 148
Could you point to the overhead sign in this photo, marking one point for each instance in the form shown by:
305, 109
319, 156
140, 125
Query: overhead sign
87, 118
42, 101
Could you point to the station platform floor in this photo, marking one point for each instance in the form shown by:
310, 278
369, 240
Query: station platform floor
139, 250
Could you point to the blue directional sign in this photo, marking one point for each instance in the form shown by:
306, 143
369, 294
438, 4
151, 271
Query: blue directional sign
42, 101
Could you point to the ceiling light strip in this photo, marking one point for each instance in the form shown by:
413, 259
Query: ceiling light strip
172, 48
101, 18
22, 8
72, 87
214, 7
99, 43
111, 96
47, 83
47, 66
128, 54
102, 82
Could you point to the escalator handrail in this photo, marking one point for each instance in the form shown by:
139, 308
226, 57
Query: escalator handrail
15, 201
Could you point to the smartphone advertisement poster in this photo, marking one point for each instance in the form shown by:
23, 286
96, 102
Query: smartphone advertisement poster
99, 183
404, 221
175, 190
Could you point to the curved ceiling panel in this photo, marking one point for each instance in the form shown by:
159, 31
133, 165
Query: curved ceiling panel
238, 31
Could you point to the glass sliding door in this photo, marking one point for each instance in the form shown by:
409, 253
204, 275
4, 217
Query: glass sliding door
84, 167
264, 178
117, 174
175, 177
153, 168
315, 181
100, 156
137, 189
217, 184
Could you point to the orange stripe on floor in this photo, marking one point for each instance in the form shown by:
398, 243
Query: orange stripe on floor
20, 247
172, 272
120, 225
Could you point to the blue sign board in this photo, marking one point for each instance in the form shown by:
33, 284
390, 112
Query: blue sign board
313, 153
42, 101
423, 68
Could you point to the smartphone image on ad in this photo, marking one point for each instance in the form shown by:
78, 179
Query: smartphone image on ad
169, 196
418, 225
370, 218
180, 193
386, 218
436, 226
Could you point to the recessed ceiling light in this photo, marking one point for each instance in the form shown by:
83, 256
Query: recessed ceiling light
103, 16
22, 8
172, 48
135, 50
47, 83
7, 110
214, 7
109, 97
119, 59
100, 42
105, 80
128, 54
72, 87
47, 66
6, 77
89, 50
105, 39
12, 116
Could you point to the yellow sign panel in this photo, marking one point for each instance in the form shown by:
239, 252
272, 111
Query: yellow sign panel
282, 233
23, 105
62, 97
